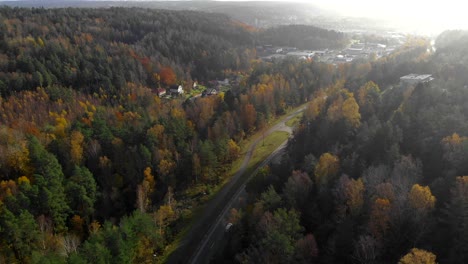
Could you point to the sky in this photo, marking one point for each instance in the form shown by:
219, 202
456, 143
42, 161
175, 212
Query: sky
419, 16
430, 15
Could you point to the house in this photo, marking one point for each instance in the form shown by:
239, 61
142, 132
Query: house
209, 91
176, 89
412, 79
225, 82
161, 92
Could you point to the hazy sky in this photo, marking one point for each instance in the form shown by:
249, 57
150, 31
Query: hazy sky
432, 15
427, 14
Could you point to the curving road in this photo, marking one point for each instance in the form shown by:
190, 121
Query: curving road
207, 232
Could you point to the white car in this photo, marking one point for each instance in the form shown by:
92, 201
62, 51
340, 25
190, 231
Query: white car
228, 226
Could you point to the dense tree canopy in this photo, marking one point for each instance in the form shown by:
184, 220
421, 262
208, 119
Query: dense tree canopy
384, 164
96, 166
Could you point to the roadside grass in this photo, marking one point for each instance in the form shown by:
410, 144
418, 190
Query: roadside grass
266, 146
263, 149
196, 91
294, 121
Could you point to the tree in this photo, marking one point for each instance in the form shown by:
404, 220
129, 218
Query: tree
38, 79
81, 190
350, 194
249, 116
418, 256
326, 169
48, 176
457, 220
307, 250
335, 110
69, 244
163, 217
368, 97
420, 198
366, 249
233, 150
380, 218
315, 106
76, 147
270, 199
406, 172
454, 153
20, 233
351, 112
167, 76
297, 188
145, 190
279, 233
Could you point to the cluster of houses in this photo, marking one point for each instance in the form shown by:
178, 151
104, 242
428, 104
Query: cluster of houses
174, 90
213, 87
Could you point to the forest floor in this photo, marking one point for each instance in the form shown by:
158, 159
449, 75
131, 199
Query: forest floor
198, 242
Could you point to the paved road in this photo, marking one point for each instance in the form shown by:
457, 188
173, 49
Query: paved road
203, 238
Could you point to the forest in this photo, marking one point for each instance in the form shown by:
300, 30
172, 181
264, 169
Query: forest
376, 171
94, 166
303, 37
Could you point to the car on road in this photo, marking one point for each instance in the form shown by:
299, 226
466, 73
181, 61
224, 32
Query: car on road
228, 226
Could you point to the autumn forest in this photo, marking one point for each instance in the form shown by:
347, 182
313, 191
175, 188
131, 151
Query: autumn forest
96, 167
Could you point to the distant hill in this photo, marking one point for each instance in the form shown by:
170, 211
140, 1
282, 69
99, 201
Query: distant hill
262, 14
93, 48
452, 45
302, 37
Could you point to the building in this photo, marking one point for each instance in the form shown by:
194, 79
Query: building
301, 54
161, 92
412, 79
209, 91
354, 51
273, 57
342, 59
176, 89
224, 82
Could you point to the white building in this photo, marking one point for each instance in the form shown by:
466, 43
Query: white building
176, 89
412, 79
301, 54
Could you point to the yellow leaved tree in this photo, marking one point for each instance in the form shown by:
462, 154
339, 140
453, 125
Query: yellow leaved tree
418, 256
326, 169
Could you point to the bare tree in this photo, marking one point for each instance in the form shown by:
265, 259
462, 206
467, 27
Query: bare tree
69, 244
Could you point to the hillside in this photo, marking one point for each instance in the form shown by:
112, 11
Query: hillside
302, 37
89, 49
95, 167
375, 173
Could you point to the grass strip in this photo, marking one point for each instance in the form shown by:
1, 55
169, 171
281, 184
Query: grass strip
263, 149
